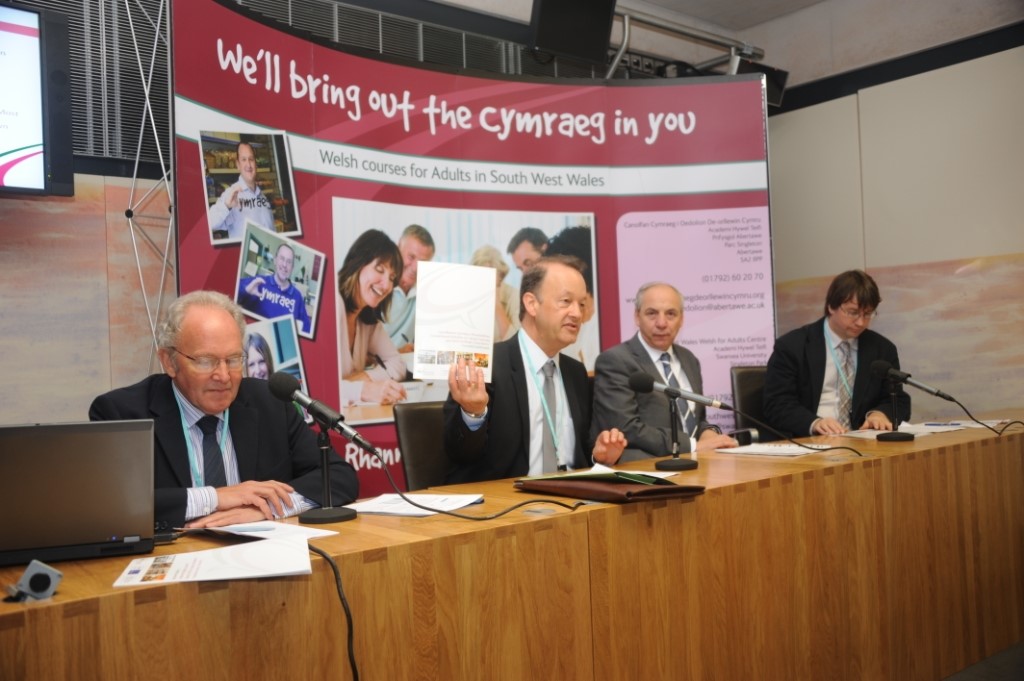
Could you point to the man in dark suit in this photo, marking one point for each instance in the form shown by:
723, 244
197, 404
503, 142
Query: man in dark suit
644, 417
534, 416
819, 379
226, 451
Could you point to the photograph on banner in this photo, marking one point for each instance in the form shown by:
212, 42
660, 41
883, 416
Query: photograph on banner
273, 345
720, 260
248, 179
377, 250
278, 276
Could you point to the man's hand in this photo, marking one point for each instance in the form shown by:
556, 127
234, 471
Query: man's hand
382, 392
876, 420
254, 286
608, 446
269, 497
231, 200
827, 426
467, 387
242, 514
710, 440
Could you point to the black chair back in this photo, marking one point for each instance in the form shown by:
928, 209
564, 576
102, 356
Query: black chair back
748, 396
420, 427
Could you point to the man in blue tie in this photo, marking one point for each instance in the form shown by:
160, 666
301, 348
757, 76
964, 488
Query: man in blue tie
644, 417
819, 379
226, 450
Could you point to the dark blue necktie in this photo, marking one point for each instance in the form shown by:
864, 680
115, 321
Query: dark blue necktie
213, 458
687, 417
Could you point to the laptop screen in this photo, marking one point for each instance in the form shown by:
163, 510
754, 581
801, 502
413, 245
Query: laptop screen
76, 490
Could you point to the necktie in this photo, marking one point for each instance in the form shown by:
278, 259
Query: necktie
687, 417
548, 441
213, 458
845, 386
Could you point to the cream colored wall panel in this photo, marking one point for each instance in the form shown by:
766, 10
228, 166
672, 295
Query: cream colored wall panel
814, 177
942, 163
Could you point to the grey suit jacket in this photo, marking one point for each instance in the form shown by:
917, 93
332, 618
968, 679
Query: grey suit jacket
642, 417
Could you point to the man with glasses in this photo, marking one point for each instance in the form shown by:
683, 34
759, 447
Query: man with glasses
226, 450
819, 379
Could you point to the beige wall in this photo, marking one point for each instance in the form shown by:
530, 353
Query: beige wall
73, 318
918, 181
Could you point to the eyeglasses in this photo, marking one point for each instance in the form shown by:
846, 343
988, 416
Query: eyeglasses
859, 314
208, 365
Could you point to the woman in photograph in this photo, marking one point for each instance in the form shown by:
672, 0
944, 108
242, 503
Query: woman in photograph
506, 298
259, 363
371, 368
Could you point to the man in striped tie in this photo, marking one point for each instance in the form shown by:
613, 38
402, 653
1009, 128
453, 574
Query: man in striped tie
644, 417
819, 379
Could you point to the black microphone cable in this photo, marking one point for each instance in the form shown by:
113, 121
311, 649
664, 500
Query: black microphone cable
344, 605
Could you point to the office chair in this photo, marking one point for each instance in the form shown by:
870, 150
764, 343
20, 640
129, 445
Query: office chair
420, 428
747, 397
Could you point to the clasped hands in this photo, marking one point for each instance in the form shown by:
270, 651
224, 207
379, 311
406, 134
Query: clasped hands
247, 502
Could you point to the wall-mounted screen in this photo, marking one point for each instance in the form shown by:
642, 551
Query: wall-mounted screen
35, 112
575, 29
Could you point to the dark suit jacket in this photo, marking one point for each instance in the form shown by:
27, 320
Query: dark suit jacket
500, 448
796, 373
642, 417
271, 442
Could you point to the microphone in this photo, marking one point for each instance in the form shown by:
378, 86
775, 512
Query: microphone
884, 369
285, 387
642, 382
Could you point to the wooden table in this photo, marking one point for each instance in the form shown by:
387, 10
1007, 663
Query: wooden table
907, 563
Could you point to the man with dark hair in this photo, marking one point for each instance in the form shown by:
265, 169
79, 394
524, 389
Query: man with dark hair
527, 246
819, 379
534, 417
415, 245
226, 450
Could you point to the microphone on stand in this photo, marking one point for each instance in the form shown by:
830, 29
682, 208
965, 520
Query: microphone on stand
285, 387
642, 382
883, 369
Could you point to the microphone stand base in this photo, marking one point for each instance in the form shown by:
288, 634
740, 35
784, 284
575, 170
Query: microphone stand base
676, 464
894, 436
319, 516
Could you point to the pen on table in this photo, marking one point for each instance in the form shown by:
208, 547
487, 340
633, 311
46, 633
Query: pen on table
951, 423
251, 528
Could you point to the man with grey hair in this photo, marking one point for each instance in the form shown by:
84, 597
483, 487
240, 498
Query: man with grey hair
415, 245
644, 417
226, 450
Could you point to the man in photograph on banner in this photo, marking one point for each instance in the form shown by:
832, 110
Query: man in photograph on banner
244, 200
274, 296
644, 417
819, 379
484, 434
527, 246
415, 245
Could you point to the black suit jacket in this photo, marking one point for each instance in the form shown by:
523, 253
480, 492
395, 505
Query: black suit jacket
500, 448
796, 373
642, 417
271, 442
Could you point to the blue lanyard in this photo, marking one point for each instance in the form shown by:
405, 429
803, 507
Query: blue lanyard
193, 462
549, 421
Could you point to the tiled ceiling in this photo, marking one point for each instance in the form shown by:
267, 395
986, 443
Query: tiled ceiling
734, 15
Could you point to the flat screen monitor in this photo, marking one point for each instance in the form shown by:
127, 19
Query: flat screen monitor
575, 29
36, 154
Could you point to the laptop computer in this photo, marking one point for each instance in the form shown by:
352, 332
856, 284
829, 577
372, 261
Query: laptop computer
76, 490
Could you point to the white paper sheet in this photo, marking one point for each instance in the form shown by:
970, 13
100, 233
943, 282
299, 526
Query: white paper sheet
393, 504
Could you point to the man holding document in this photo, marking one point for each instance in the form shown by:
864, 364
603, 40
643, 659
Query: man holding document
534, 417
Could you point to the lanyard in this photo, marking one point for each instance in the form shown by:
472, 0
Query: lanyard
550, 421
193, 463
